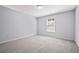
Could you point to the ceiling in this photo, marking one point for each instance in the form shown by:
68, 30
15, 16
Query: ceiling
46, 10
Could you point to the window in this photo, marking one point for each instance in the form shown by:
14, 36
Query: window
51, 25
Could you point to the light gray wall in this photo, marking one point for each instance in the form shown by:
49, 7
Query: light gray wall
14, 24
77, 25
65, 25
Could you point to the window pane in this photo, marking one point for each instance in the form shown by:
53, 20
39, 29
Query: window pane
51, 25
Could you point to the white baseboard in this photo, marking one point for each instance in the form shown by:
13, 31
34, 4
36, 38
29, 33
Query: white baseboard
59, 37
17, 38
77, 42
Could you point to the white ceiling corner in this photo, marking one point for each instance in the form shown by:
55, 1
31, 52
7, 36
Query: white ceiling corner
46, 10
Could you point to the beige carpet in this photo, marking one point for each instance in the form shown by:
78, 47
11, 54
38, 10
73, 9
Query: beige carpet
39, 44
